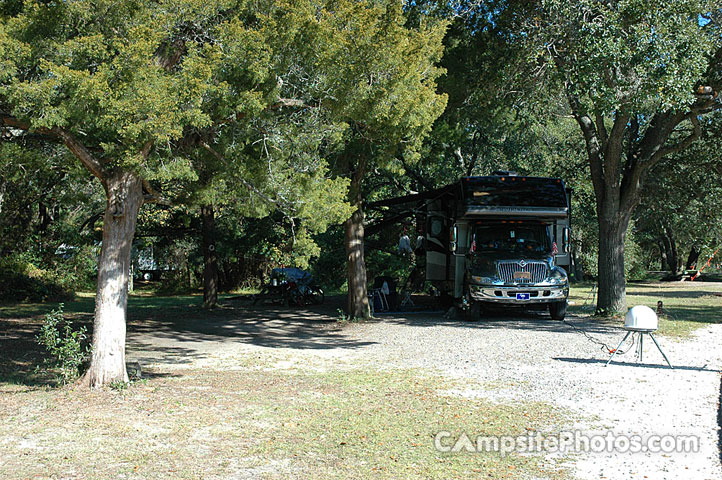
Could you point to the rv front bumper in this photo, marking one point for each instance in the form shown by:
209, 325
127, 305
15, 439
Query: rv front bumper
519, 294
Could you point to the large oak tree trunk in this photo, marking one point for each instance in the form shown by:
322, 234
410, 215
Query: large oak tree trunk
210, 258
692, 258
124, 198
662, 255
612, 287
358, 303
670, 247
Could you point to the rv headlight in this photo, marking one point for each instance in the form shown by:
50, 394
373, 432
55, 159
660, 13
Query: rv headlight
482, 280
558, 276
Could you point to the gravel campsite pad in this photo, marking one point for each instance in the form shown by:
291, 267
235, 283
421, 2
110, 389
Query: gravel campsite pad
536, 359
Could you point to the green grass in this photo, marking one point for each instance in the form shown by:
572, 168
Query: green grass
84, 304
343, 423
687, 305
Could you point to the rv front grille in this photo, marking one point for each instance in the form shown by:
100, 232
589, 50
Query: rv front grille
535, 271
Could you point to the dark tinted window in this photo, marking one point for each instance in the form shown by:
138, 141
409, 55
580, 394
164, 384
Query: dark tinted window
514, 192
510, 237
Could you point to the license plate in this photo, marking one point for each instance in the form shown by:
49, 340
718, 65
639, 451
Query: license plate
523, 296
522, 276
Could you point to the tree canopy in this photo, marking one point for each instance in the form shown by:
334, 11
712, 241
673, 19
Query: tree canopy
637, 77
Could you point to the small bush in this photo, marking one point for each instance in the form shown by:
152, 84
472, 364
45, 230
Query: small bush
20, 288
67, 348
78, 270
23, 281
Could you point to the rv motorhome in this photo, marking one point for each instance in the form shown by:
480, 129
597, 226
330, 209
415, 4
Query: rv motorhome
502, 239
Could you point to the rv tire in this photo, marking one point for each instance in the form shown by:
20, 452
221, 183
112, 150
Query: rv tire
473, 313
558, 310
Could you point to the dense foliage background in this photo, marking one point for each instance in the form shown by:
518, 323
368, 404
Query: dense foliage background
507, 109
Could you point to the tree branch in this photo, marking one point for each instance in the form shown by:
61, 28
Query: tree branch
169, 55
12, 122
380, 225
613, 149
657, 134
289, 103
82, 153
594, 152
153, 195
633, 133
280, 104
145, 151
73, 144
90, 222
602, 129
245, 183
415, 175
683, 144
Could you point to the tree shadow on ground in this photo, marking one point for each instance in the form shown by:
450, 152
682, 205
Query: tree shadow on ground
237, 320
661, 294
513, 319
698, 314
165, 331
145, 352
624, 364
20, 354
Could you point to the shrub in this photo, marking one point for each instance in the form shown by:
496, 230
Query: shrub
77, 270
67, 348
22, 281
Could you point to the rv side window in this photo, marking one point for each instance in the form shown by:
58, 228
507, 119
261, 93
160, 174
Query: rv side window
436, 227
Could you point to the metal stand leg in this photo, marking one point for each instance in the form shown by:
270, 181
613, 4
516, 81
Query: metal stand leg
641, 347
615, 350
660, 350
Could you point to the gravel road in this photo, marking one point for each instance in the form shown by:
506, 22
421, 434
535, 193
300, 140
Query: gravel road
517, 357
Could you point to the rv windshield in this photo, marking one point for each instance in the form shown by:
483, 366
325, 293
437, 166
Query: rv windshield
504, 237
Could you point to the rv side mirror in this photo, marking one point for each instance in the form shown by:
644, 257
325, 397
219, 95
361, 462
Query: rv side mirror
452, 243
567, 240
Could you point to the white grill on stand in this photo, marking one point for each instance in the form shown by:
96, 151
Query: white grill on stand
643, 321
641, 318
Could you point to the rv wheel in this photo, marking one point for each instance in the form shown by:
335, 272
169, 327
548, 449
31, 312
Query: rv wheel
558, 310
473, 313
